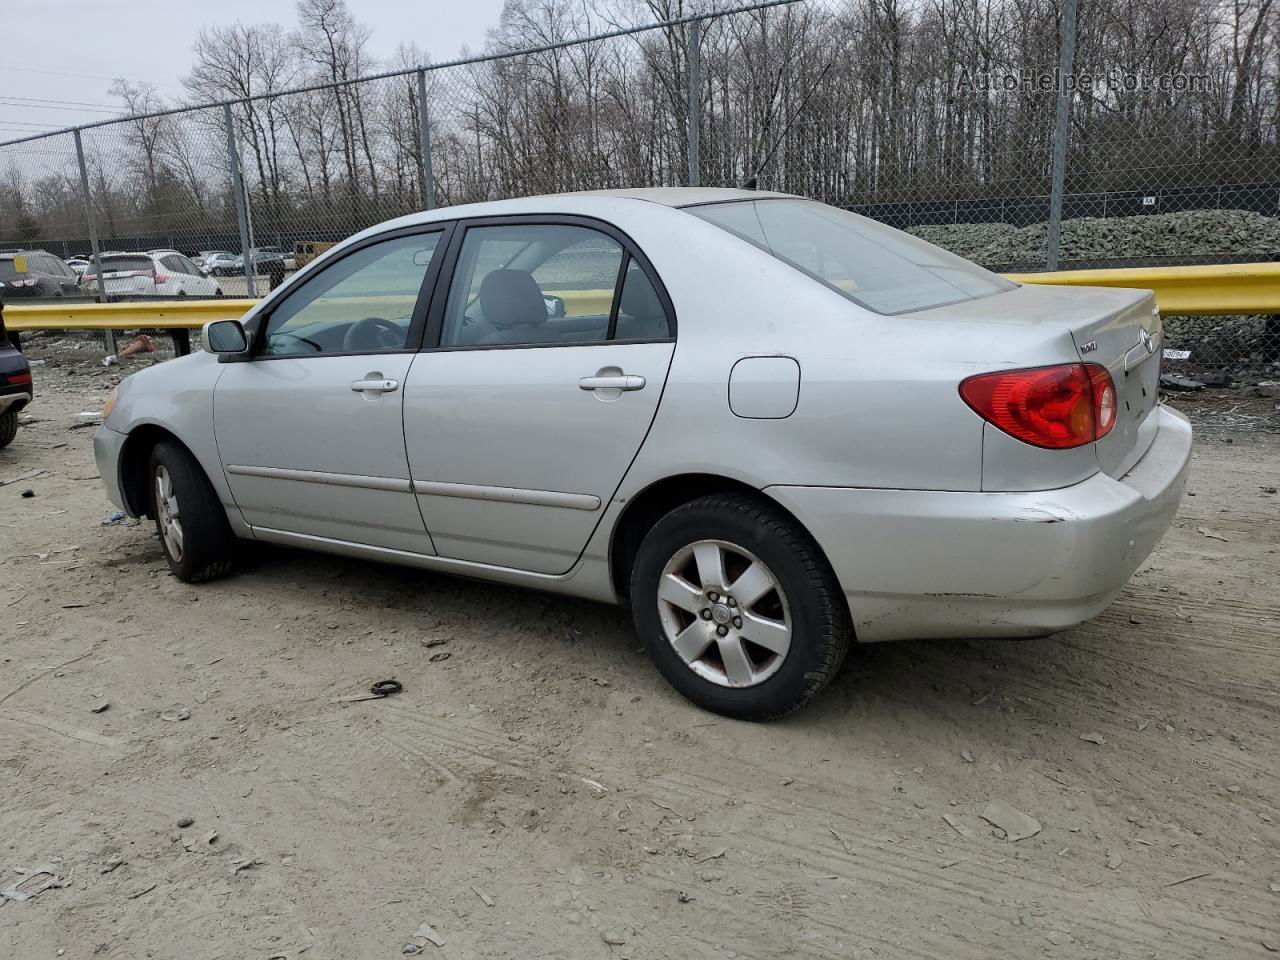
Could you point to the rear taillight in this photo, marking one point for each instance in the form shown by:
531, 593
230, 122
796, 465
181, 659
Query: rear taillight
19, 378
1053, 407
161, 278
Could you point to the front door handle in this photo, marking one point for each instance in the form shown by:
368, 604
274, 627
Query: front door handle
372, 385
620, 382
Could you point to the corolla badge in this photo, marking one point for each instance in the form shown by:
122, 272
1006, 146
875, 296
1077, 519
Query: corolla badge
1148, 342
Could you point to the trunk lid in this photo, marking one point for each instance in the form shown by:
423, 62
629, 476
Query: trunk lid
1126, 340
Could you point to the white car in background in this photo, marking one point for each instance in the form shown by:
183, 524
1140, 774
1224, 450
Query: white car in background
154, 274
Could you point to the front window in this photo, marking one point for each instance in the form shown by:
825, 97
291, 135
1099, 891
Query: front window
875, 266
362, 303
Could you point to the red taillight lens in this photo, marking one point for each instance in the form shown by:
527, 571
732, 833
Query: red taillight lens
161, 278
1053, 407
19, 378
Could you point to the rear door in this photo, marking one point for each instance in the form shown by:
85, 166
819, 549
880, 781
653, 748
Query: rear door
309, 431
549, 345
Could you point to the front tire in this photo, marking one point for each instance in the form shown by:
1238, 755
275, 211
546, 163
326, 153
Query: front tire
8, 427
190, 521
738, 607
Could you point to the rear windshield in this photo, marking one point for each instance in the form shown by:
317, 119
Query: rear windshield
877, 267
121, 264
7, 270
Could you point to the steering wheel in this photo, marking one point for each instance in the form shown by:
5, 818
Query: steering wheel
383, 333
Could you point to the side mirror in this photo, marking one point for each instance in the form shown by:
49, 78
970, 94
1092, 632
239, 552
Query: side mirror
226, 338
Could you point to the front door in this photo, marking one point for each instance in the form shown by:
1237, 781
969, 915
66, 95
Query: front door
309, 431
552, 346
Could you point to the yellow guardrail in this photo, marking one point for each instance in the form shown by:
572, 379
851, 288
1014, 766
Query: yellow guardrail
1216, 289
1244, 288
160, 315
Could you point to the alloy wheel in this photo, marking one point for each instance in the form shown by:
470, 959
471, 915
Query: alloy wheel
168, 514
724, 613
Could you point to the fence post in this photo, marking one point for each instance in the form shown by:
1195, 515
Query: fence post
695, 101
237, 188
424, 143
1061, 133
93, 234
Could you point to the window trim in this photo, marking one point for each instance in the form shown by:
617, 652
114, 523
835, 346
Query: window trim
440, 296
417, 322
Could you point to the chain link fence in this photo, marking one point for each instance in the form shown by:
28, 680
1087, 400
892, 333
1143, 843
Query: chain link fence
875, 105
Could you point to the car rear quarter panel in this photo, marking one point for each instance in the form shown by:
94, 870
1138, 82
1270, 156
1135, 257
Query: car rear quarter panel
878, 403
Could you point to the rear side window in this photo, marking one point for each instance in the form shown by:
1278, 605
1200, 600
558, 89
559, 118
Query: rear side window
7, 269
885, 270
532, 284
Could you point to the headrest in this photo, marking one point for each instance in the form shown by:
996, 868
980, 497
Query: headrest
512, 298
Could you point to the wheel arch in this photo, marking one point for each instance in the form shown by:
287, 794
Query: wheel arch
134, 456
661, 497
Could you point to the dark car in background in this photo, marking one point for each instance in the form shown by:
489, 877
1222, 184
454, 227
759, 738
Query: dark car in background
15, 382
35, 273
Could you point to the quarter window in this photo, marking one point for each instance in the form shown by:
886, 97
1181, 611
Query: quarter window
363, 303
532, 284
641, 315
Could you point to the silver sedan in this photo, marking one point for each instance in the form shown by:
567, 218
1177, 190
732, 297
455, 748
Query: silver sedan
769, 426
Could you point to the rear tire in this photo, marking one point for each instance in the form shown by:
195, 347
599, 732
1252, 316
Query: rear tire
8, 427
190, 521
767, 637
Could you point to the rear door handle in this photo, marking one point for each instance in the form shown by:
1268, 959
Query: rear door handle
375, 386
622, 382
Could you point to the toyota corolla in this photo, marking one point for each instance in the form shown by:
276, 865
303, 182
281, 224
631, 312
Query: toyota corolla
770, 427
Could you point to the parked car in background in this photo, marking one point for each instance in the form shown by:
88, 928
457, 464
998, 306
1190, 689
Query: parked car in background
770, 426
79, 266
152, 275
262, 259
35, 273
202, 258
222, 263
16, 388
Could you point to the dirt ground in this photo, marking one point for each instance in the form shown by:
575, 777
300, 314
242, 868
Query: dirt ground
540, 792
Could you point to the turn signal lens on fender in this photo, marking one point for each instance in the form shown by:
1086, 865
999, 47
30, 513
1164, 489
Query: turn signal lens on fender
1055, 407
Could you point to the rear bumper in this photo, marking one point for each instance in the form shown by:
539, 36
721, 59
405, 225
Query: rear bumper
107, 444
13, 398
948, 564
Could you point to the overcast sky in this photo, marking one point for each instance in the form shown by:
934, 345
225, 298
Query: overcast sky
76, 48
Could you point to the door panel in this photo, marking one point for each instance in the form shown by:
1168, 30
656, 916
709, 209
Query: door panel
513, 460
306, 453
310, 432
